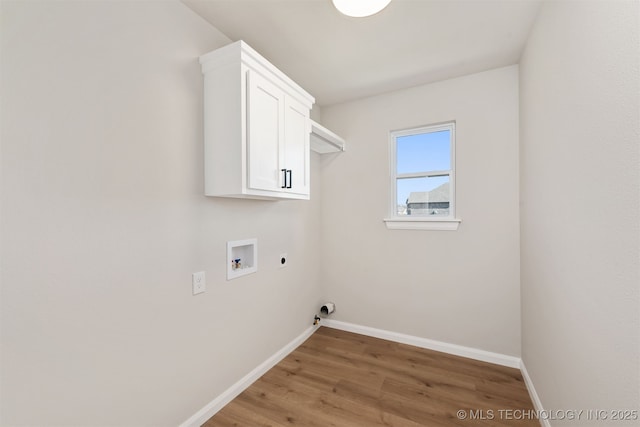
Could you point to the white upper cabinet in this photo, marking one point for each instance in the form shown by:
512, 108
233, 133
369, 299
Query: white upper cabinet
265, 124
296, 156
257, 127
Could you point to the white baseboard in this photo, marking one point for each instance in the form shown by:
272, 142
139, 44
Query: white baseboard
458, 350
537, 404
228, 395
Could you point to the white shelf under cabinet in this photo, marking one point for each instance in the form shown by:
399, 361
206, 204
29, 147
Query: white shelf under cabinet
257, 127
324, 141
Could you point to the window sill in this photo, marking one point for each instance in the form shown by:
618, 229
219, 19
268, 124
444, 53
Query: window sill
446, 224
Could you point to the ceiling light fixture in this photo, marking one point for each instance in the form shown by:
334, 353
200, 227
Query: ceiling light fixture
360, 8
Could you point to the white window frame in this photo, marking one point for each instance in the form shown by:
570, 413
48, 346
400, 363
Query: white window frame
399, 222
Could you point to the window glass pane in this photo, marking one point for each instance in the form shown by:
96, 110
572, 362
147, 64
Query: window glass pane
423, 152
423, 196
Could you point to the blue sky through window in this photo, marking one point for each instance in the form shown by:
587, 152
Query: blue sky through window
425, 152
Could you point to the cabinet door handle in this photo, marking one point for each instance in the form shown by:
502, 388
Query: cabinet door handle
284, 178
290, 178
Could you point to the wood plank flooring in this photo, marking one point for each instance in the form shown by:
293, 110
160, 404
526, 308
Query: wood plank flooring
341, 379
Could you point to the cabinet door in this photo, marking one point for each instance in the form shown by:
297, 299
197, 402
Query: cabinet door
265, 124
297, 129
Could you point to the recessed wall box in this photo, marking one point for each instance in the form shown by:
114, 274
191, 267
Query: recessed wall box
242, 258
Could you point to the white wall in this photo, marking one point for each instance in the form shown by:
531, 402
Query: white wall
459, 287
104, 220
580, 197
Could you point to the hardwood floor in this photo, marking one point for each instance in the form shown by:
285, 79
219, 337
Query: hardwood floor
337, 378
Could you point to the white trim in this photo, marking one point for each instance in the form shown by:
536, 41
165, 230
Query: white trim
458, 350
537, 403
232, 392
241, 51
422, 223
432, 174
394, 176
228, 395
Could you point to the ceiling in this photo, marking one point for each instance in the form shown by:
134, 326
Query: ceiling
409, 43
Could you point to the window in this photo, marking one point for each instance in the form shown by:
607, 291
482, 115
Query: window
423, 178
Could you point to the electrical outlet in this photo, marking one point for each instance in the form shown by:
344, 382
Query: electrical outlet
283, 261
199, 282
